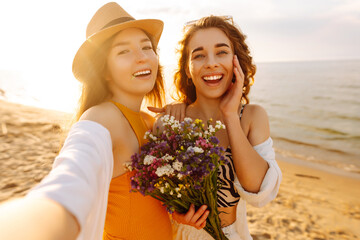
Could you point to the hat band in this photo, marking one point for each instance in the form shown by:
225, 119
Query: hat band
117, 21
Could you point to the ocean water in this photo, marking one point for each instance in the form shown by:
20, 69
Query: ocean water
314, 110
313, 107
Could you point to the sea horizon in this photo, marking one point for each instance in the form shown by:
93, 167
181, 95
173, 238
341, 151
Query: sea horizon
312, 105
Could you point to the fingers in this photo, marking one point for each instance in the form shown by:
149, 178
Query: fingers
172, 111
167, 110
184, 218
189, 215
196, 219
202, 220
176, 109
155, 109
239, 74
198, 214
203, 224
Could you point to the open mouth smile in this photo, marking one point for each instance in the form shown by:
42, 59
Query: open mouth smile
213, 78
142, 73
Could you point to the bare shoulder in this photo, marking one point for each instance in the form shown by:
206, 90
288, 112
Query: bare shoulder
108, 115
257, 122
255, 112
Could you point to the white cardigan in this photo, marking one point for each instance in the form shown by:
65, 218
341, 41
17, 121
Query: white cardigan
268, 191
81, 176
82, 172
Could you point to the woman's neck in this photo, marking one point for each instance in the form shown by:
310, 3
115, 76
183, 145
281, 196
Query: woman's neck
205, 108
130, 101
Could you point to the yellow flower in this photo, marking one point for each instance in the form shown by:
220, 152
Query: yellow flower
198, 121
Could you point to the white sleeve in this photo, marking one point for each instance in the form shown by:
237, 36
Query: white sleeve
271, 182
81, 173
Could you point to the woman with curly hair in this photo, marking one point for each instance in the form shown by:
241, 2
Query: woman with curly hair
214, 76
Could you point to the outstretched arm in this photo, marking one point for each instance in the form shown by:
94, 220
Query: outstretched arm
36, 219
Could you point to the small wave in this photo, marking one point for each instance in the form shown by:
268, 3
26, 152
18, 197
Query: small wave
321, 98
355, 138
328, 131
295, 141
310, 145
348, 117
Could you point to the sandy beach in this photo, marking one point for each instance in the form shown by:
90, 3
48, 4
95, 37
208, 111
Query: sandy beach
312, 203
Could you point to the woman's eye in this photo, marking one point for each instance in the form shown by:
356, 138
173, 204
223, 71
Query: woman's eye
198, 56
222, 52
123, 52
147, 48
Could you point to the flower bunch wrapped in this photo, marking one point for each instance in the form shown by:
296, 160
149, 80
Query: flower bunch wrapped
179, 166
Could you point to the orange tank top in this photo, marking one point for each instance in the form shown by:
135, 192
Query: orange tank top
130, 215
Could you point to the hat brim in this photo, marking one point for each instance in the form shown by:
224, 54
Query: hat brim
154, 27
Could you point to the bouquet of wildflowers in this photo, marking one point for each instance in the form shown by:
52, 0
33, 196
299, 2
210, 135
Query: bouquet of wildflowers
179, 167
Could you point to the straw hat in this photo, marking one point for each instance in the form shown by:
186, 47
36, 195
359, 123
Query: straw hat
108, 20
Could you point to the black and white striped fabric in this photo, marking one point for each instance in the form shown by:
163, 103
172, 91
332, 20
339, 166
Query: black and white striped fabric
228, 195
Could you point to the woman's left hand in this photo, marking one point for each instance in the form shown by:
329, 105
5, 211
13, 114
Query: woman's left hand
231, 100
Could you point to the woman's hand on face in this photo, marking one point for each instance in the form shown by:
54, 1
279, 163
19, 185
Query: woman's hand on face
231, 100
196, 219
176, 109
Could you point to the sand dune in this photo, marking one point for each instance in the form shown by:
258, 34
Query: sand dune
312, 204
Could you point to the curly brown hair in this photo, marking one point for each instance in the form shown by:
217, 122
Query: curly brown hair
185, 89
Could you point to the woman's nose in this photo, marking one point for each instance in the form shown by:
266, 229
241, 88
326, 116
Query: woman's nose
211, 62
141, 56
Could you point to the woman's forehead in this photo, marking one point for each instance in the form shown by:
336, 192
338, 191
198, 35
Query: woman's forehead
130, 34
208, 37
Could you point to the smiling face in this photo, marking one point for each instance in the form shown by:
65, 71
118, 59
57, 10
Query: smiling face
210, 63
132, 64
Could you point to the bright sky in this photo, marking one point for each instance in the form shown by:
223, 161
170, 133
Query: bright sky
39, 38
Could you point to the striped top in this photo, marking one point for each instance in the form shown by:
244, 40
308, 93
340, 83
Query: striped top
228, 195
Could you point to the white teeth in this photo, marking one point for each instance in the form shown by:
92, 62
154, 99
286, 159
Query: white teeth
145, 72
212, 78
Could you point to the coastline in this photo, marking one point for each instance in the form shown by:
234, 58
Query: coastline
314, 201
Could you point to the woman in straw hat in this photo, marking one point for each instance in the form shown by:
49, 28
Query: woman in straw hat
87, 193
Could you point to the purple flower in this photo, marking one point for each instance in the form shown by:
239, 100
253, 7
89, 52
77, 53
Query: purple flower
214, 140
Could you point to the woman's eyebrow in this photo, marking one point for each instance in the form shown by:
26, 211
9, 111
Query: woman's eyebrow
216, 45
222, 45
197, 49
